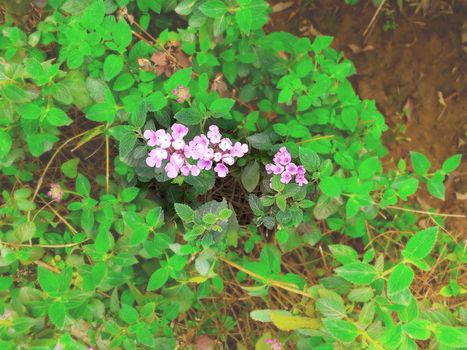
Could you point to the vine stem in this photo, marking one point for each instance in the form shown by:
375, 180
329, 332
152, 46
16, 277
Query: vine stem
49, 163
107, 164
315, 139
20, 245
427, 212
272, 282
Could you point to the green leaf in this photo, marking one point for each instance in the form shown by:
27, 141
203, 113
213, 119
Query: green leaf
130, 193
158, 279
288, 322
122, 33
5, 143
102, 243
74, 58
184, 212
157, 100
5, 283
128, 314
452, 163
113, 65
418, 329
70, 168
221, 107
83, 186
420, 163
213, 8
400, 279
123, 82
93, 15
25, 231
57, 313
180, 77
48, 280
331, 307
101, 112
189, 116
369, 167
343, 253
29, 111
436, 186
451, 337
350, 118
343, 331
330, 186
321, 42
421, 243
309, 159
361, 295
358, 273
244, 19
57, 117
250, 176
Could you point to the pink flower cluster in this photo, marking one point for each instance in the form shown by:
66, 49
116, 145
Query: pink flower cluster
189, 158
284, 167
55, 192
274, 344
182, 93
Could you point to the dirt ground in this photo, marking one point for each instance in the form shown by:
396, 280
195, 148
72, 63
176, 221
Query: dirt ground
421, 61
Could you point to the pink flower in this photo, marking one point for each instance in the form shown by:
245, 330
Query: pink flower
221, 170
214, 134
189, 158
181, 93
284, 167
286, 177
225, 144
301, 180
274, 344
179, 131
239, 150
55, 192
151, 137
171, 170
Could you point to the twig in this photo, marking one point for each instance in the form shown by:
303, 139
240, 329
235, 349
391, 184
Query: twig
427, 212
370, 25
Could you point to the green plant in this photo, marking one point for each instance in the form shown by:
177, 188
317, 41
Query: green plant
139, 256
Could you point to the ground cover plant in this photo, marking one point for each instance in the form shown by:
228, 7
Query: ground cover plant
175, 177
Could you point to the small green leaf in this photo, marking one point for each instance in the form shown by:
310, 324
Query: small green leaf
421, 243
250, 176
25, 231
343, 253
287, 322
5, 143
113, 65
436, 186
130, 193
350, 118
57, 117
57, 313
213, 8
331, 307
158, 279
309, 159
451, 337
400, 279
184, 212
5, 283
330, 186
128, 314
358, 273
244, 19
343, 331
420, 163
70, 168
418, 329
452, 163
83, 186
48, 280
189, 116
123, 82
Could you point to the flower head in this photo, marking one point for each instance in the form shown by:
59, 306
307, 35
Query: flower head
284, 167
55, 192
182, 93
178, 156
274, 344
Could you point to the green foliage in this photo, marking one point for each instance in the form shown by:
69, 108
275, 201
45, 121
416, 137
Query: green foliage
128, 258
